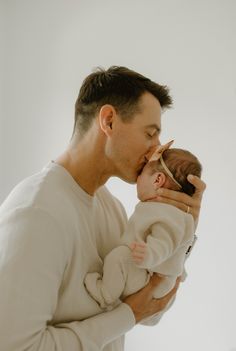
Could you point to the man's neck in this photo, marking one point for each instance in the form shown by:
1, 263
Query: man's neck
86, 163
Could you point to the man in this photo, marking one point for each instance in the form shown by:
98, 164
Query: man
59, 224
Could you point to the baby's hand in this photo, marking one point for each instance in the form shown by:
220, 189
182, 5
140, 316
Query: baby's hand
138, 251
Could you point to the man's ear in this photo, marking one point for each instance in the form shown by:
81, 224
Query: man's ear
159, 180
106, 117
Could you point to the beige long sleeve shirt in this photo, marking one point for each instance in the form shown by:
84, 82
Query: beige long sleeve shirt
51, 234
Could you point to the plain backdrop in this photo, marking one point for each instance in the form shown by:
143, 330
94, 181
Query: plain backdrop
47, 49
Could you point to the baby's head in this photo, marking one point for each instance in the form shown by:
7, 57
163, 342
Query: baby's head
170, 171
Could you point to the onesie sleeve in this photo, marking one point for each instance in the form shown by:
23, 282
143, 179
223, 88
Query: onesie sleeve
164, 237
33, 258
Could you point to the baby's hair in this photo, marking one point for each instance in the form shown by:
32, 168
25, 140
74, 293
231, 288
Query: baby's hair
181, 163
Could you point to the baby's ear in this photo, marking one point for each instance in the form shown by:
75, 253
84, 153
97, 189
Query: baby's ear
159, 180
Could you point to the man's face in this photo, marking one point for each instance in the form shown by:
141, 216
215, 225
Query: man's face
131, 143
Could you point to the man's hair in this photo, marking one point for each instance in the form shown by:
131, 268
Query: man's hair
181, 163
119, 87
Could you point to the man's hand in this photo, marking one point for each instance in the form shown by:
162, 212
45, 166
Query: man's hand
184, 202
142, 302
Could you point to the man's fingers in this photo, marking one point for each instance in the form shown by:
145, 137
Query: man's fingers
192, 207
142, 302
186, 203
199, 185
155, 280
182, 197
182, 206
174, 195
171, 293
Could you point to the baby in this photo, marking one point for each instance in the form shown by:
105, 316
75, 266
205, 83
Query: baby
157, 237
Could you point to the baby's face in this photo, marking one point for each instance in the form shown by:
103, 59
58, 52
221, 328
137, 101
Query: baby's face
145, 184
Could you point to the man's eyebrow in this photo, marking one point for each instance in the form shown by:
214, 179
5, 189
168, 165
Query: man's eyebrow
154, 126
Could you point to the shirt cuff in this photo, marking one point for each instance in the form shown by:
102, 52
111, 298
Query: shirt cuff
106, 327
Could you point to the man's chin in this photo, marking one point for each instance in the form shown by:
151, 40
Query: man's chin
131, 180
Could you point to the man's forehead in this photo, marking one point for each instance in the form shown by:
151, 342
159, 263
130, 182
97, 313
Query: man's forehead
149, 104
147, 100
148, 116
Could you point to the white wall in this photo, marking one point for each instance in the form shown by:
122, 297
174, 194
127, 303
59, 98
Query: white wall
51, 45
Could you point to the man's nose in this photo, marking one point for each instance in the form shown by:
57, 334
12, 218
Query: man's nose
155, 143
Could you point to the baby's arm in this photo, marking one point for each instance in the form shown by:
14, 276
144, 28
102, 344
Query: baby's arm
163, 240
138, 251
162, 227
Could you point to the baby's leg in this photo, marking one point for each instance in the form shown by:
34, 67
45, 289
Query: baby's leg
107, 289
136, 277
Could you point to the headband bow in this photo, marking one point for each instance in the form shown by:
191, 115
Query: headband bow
157, 155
